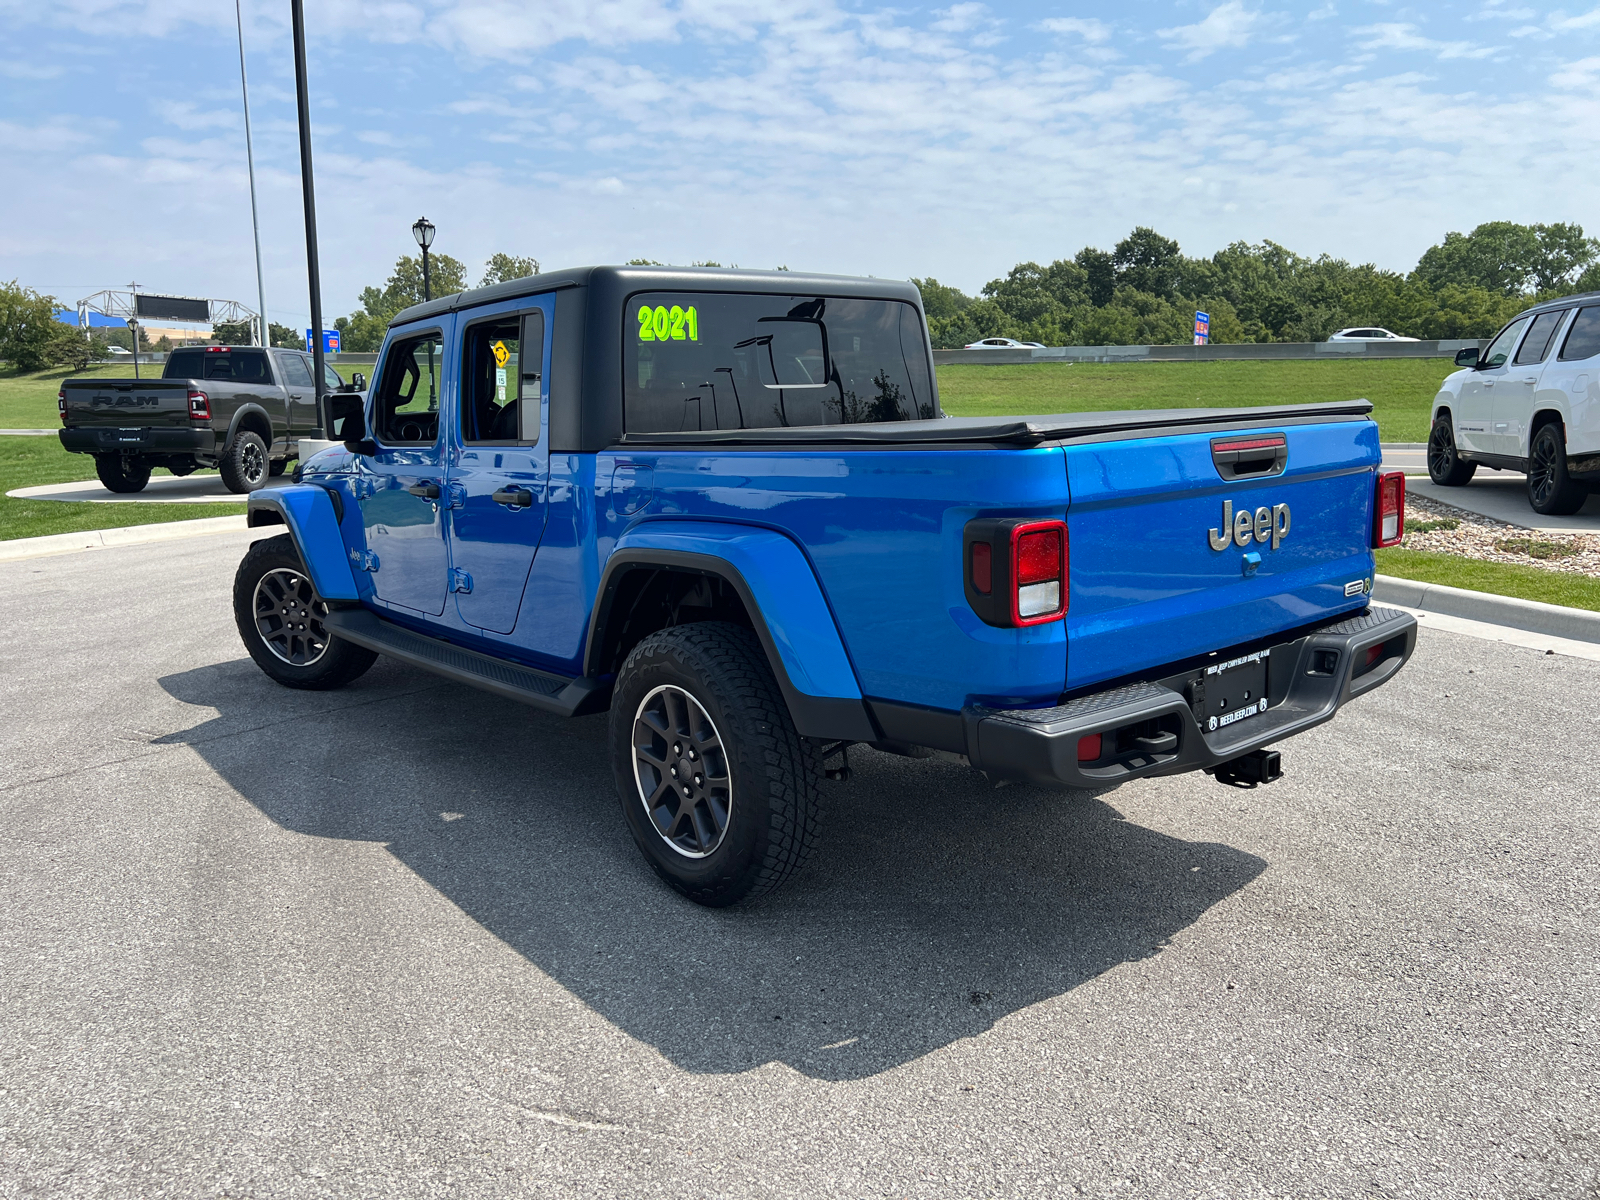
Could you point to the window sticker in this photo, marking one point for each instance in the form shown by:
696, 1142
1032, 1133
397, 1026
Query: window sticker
663, 324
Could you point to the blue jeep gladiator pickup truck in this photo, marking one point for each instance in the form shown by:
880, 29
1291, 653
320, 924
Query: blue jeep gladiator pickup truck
725, 507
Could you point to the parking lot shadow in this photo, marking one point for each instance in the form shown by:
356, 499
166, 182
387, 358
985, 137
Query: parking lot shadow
933, 906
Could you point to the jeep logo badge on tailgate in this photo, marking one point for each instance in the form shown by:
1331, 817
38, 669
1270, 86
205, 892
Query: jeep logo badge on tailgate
1265, 524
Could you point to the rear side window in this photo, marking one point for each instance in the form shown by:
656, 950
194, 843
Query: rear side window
1537, 343
406, 407
500, 387
1584, 340
698, 361
295, 371
242, 366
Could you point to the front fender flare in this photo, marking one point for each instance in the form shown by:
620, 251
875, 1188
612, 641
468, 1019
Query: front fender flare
308, 512
786, 605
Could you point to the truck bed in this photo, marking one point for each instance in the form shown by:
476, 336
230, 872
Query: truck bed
1019, 430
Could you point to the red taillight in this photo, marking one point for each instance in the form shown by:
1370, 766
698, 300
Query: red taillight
1040, 557
61, 404
982, 568
1089, 747
199, 406
1016, 570
1389, 514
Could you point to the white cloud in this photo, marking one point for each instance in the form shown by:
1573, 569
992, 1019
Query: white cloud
1090, 30
1399, 35
1228, 26
1561, 23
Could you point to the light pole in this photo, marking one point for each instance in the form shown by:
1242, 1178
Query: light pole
263, 327
313, 274
422, 230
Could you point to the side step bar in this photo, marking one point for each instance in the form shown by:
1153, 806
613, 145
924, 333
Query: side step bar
558, 694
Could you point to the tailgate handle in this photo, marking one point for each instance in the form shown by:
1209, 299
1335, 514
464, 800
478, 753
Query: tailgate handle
1251, 456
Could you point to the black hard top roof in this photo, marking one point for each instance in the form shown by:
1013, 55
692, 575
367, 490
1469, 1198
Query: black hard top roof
1564, 302
669, 279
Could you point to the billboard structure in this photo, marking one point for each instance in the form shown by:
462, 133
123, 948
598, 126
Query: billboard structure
145, 306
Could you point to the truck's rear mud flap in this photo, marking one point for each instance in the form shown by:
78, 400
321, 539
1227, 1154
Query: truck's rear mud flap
1153, 729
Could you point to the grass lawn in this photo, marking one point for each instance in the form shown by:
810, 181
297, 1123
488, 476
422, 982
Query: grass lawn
1503, 579
29, 401
27, 461
1401, 389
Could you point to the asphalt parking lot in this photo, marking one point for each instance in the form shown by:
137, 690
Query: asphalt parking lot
395, 941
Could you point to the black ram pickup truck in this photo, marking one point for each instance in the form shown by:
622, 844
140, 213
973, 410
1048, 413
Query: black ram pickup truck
241, 409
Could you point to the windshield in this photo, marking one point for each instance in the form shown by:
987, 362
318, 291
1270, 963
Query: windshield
697, 361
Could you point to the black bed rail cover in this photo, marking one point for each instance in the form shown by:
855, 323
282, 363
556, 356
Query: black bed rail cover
1025, 431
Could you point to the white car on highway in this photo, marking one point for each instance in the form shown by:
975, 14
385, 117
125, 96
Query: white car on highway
999, 343
1530, 402
1368, 333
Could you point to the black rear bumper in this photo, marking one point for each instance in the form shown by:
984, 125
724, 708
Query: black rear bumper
178, 439
1153, 728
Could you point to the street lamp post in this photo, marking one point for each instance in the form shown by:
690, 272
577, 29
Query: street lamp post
422, 230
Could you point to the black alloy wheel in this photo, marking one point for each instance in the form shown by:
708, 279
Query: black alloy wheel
291, 617
1551, 491
245, 468
1445, 465
283, 621
682, 771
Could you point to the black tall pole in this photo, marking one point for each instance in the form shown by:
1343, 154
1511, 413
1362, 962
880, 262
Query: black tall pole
427, 280
313, 274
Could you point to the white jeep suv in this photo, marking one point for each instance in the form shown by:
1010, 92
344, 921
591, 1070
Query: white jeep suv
1530, 402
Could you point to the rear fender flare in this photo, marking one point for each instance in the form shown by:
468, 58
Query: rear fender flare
780, 592
251, 414
308, 512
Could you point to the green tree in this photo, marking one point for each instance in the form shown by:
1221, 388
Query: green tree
1148, 262
283, 337
502, 268
940, 301
1512, 259
30, 336
362, 332
1099, 272
234, 333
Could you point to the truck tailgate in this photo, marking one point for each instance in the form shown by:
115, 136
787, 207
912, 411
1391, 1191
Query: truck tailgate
1147, 587
127, 403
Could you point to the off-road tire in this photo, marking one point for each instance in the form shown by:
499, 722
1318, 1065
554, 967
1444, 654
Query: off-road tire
279, 466
245, 467
337, 664
775, 777
1551, 491
119, 474
1445, 466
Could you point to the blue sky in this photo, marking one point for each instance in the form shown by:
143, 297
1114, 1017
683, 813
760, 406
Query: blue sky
949, 141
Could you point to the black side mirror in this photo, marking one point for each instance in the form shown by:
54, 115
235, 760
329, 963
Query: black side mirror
1467, 357
358, 382
347, 422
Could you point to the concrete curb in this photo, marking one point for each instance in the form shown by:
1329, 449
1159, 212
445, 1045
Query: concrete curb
28, 432
127, 535
1577, 624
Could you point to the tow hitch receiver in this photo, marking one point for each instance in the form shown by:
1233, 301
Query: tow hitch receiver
1246, 771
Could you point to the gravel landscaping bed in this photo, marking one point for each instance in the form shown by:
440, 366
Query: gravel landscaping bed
1449, 530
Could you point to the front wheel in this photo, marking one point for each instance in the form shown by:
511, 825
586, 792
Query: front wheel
282, 621
718, 790
122, 475
1551, 491
1445, 466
